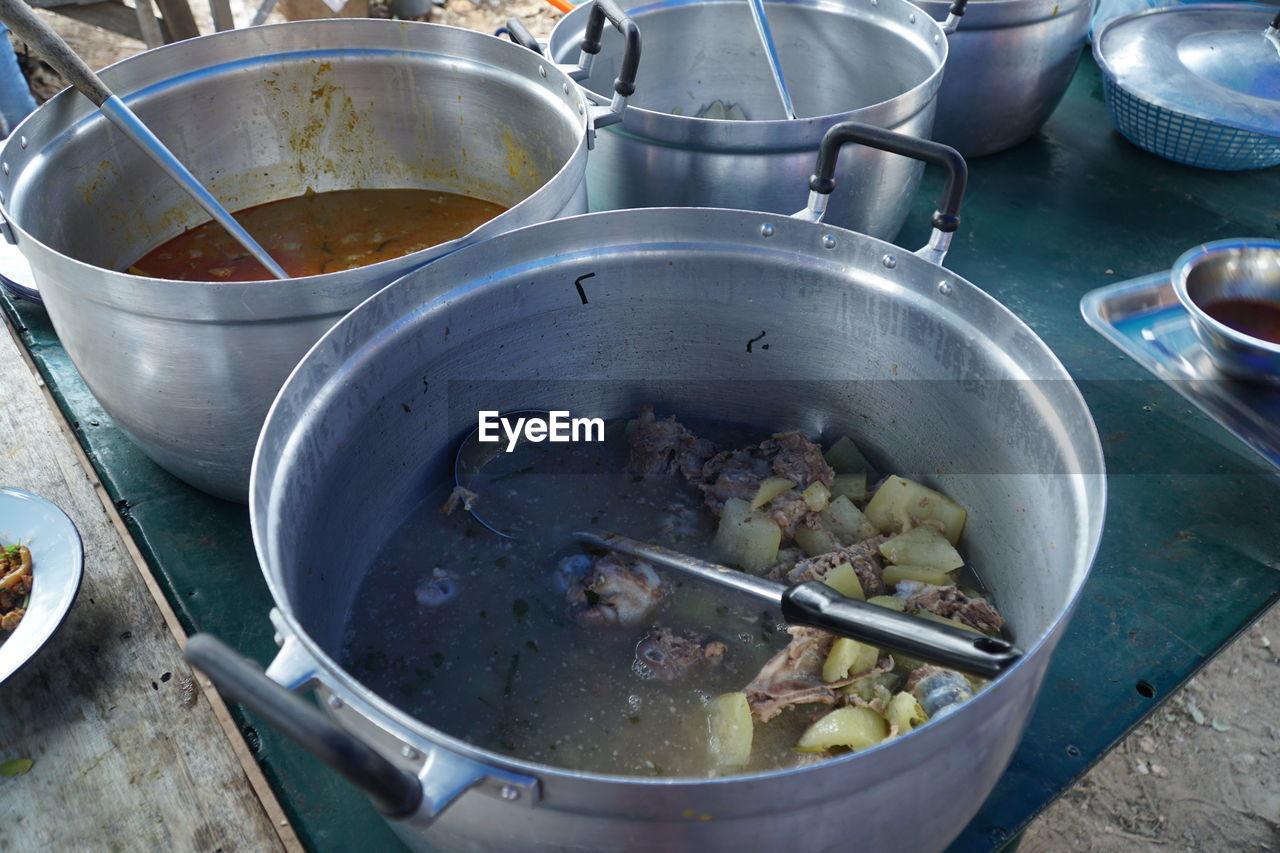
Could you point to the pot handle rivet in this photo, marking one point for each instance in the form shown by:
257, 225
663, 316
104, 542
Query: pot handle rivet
944, 287
766, 230
889, 262
828, 242
510, 792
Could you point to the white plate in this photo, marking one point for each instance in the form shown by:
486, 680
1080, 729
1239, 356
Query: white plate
57, 561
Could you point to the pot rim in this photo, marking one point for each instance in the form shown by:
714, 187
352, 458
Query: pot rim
329, 673
769, 135
137, 294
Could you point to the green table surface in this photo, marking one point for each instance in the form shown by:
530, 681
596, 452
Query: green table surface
1189, 559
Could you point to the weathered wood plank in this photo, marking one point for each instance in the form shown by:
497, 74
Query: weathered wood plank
107, 15
128, 750
179, 23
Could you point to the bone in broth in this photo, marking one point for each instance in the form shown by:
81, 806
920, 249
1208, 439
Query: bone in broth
539, 648
318, 233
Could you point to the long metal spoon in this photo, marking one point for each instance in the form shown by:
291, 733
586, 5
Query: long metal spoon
23, 21
771, 53
819, 606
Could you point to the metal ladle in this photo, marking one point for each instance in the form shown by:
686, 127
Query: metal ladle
812, 603
771, 53
23, 21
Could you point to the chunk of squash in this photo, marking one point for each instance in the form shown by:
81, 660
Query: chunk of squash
730, 728
923, 574
900, 504
817, 496
844, 457
769, 489
747, 537
892, 602
847, 522
852, 486
815, 542
844, 580
848, 657
853, 727
922, 546
904, 713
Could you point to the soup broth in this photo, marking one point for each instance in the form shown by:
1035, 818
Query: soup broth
319, 233
471, 632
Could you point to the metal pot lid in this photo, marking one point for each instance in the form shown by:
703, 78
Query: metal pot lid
1214, 61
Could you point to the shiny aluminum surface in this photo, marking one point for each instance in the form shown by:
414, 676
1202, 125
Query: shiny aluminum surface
1211, 61
878, 63
918, 365
1231, 269
1010, 64
188, 369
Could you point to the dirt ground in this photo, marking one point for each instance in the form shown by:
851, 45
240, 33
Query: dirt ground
1201, 775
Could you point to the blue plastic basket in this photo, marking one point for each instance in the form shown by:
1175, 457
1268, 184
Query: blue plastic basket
1186, 139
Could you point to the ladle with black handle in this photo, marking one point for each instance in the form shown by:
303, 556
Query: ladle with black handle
819, 606
23, 21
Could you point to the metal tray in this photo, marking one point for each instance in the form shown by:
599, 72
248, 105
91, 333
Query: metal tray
1143, 318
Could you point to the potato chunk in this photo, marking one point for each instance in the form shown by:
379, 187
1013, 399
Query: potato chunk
853, 727
922, 546
900, 504
747, 537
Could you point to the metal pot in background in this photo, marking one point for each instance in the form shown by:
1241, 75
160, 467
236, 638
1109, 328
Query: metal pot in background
922, 368
875, 61
1010, 64
189, 369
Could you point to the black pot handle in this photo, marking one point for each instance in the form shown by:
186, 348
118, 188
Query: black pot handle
396, 793
946, 219
601, 10
519, 33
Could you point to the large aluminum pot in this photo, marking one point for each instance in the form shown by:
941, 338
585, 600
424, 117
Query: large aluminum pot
919, 365
879, 63
188, 369
1011, 62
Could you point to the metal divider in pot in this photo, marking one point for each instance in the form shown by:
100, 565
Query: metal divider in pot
707, 129
258, 115
676, 293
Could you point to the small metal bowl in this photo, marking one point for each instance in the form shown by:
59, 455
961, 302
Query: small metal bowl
1231, 269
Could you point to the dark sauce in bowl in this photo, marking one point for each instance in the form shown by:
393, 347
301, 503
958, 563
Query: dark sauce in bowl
319, 233
1257, 318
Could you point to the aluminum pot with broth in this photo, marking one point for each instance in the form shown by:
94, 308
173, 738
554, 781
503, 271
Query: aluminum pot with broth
188, 369
599, 314
707, 129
